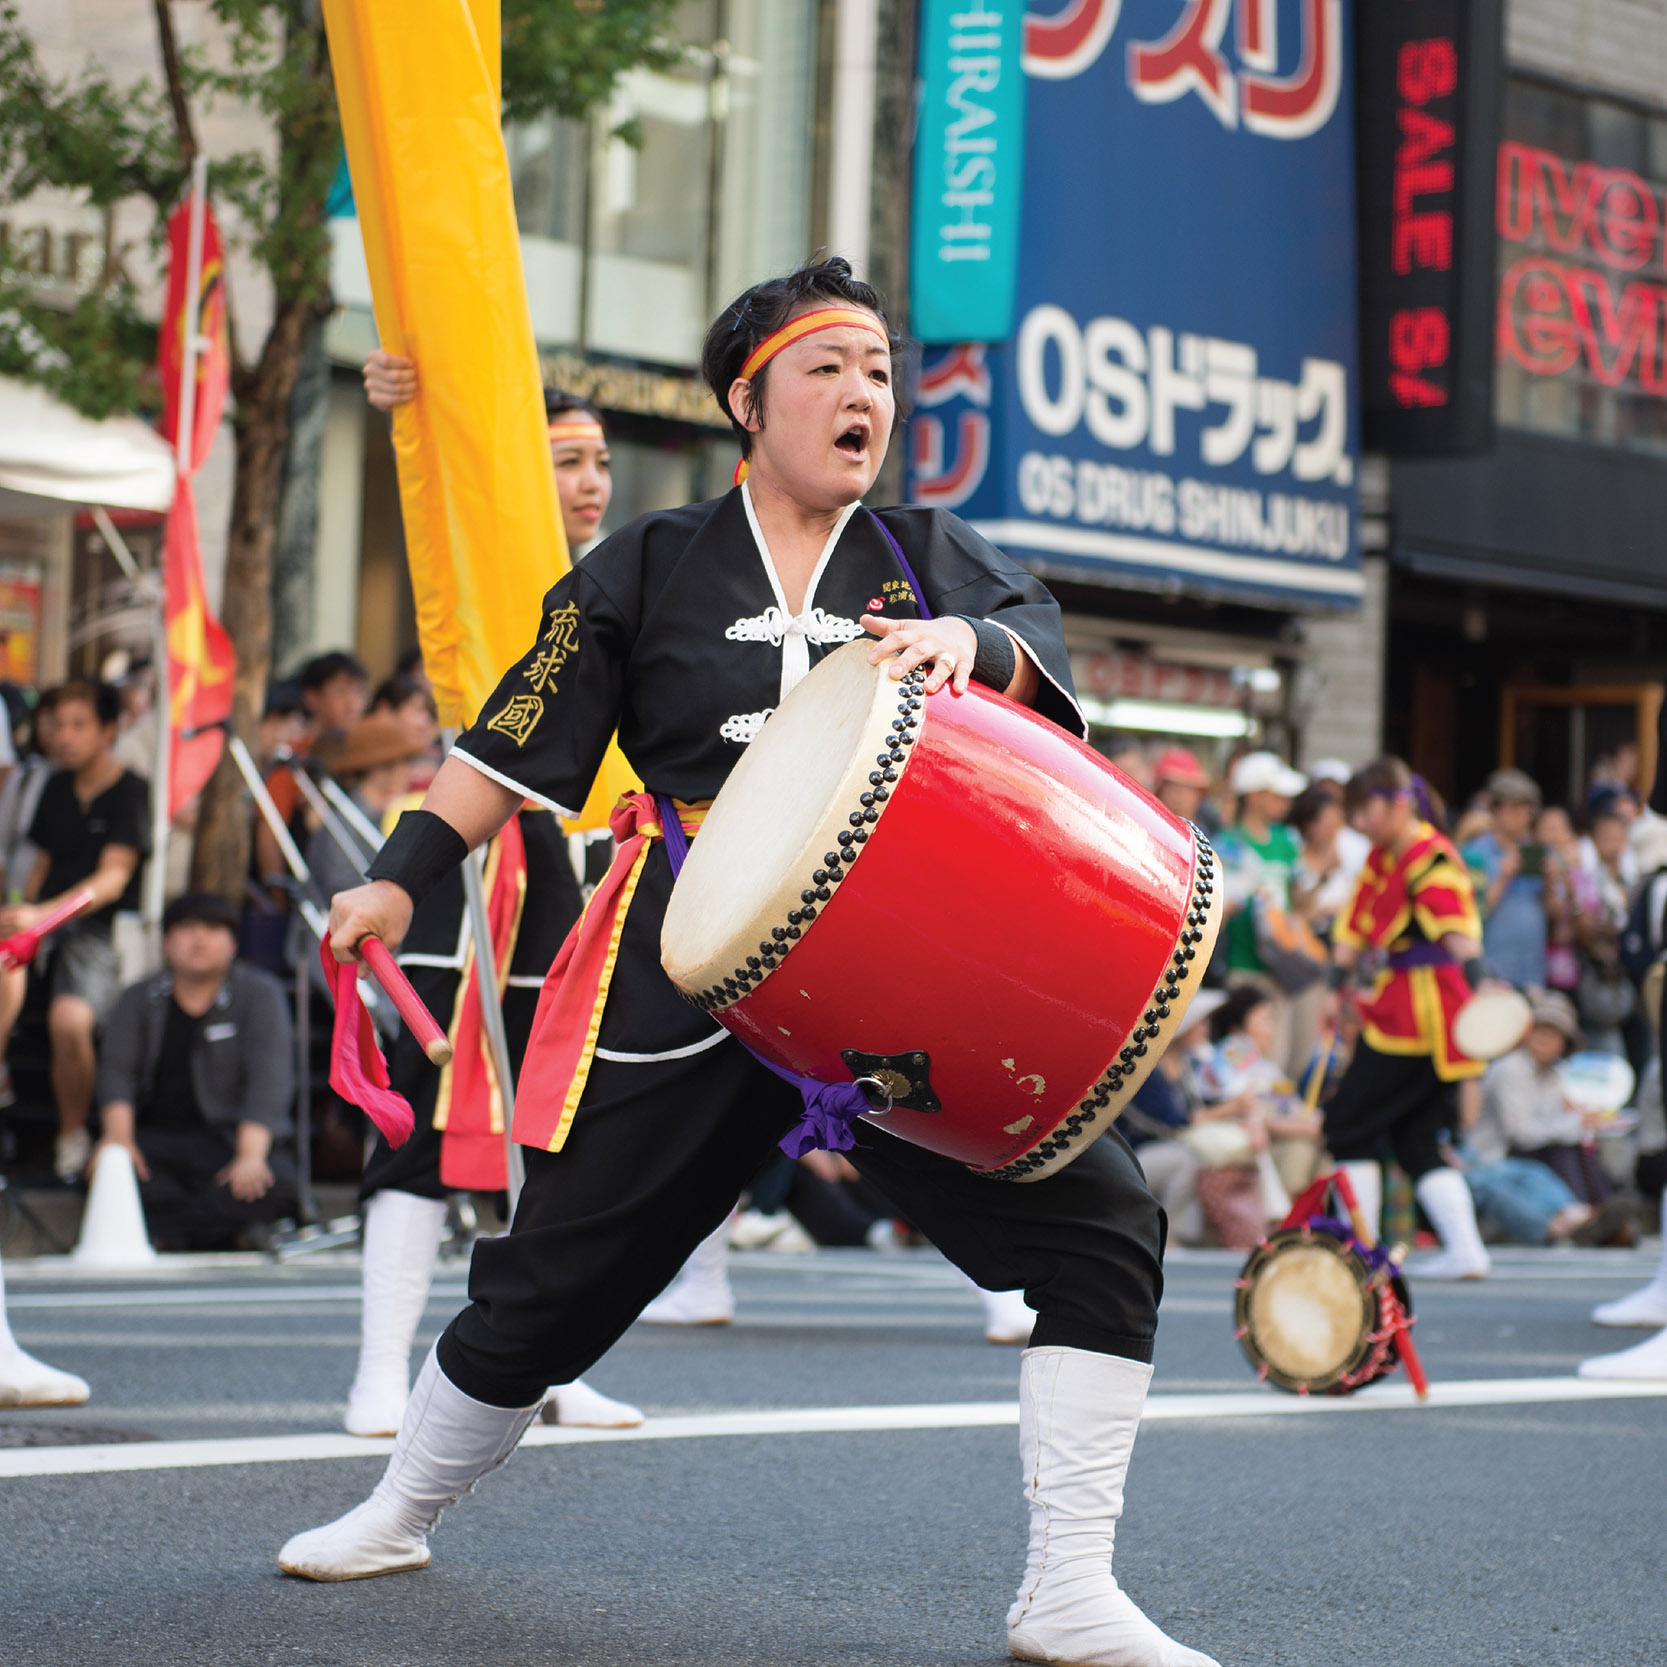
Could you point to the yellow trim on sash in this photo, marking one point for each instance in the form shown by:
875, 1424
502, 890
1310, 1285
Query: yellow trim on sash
581, 1075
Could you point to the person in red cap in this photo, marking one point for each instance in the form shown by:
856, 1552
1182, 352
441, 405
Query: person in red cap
1180, 782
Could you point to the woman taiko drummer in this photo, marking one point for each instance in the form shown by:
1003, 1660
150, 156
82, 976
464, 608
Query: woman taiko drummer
1414, 913
643, 1119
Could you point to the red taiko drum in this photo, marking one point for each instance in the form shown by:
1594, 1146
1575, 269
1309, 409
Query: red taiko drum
952, 900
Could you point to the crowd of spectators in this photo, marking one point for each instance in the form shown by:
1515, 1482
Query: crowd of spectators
1574, 908
191, 1069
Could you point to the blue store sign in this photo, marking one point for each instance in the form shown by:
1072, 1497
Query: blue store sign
969, 170
1176, 406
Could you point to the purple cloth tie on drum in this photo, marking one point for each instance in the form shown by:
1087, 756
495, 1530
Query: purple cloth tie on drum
830, 1107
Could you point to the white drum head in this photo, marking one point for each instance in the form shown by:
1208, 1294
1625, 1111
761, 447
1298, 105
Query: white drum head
778, 814
1308, 1312
1491, 1023
1601, 1082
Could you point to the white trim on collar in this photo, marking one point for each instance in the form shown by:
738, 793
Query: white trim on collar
795, 644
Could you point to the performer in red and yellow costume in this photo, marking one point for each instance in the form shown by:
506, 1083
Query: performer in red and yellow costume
1413, 926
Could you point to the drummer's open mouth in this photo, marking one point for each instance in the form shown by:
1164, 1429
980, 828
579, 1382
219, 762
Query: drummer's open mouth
854, 441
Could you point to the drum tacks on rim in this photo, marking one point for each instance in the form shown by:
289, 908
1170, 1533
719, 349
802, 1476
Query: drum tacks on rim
948, 896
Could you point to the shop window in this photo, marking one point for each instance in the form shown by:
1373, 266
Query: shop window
1581, 218
649, 235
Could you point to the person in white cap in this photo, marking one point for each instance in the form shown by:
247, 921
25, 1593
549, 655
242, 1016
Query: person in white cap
1259, 855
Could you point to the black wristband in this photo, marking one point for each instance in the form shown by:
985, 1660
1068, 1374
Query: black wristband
997, 658
1475, 970
418, 854
1337, 977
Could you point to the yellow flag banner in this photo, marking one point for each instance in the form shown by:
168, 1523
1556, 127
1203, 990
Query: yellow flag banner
418, 89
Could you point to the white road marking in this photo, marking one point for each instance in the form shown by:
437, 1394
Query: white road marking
963, 1415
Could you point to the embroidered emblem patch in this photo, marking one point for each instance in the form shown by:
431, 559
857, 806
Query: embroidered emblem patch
518, 717
558, 644
875, 604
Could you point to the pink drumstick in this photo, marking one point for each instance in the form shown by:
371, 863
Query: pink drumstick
397, 987
19, 949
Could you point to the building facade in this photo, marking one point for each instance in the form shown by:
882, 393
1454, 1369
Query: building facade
1527, 596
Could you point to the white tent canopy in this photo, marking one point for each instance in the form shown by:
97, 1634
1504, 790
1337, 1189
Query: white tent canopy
52, 457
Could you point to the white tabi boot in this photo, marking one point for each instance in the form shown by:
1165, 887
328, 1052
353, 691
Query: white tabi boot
1078, 1412
576, 1403
27, 1382
1643, 1360
700, 1294
1367, 1180
402, 1243
1647, 1307
447, 1442
1446, 1200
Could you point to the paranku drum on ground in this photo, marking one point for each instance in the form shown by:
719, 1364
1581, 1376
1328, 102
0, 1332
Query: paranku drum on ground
951, 897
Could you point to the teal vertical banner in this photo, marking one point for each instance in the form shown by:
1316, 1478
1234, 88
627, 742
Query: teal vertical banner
969, 170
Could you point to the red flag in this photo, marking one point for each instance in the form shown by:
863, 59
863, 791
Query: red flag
200, 659
213, 363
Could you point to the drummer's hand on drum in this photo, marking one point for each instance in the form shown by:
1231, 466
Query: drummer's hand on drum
949, 646
377, 910
389, 380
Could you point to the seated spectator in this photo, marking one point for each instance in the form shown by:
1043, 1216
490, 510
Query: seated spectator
1156, 1119
90, 828
1243, 1075
1524, 1111
1510, 882
411, 700
371, 762
334, 690
196, 1082
282, 724
21, 797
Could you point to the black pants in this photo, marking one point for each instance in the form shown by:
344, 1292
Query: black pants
185, 1208
661, 1148
1393, 1101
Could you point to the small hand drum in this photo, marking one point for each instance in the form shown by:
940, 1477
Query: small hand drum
1492, 1022
1313, 1315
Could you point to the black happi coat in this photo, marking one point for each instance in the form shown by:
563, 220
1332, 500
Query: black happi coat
675, 632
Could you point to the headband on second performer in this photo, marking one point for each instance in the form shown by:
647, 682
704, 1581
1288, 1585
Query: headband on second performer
575, 428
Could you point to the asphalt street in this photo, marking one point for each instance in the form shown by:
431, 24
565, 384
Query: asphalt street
1522, 1529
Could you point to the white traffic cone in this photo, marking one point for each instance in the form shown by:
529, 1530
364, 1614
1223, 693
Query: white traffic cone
113, 1224
27, 1382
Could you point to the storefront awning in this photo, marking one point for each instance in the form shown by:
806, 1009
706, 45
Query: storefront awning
52, 457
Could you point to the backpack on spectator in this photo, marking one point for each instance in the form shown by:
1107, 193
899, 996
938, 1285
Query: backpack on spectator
1291, 953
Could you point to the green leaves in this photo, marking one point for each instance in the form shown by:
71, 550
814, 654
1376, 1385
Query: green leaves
564, 57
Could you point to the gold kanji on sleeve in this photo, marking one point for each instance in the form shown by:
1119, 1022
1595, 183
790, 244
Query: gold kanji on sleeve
557, 646
518, 717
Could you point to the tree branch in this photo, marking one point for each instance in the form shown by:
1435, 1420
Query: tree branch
176, 82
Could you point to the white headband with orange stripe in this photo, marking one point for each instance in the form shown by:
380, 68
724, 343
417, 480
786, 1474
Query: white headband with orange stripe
575, 425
